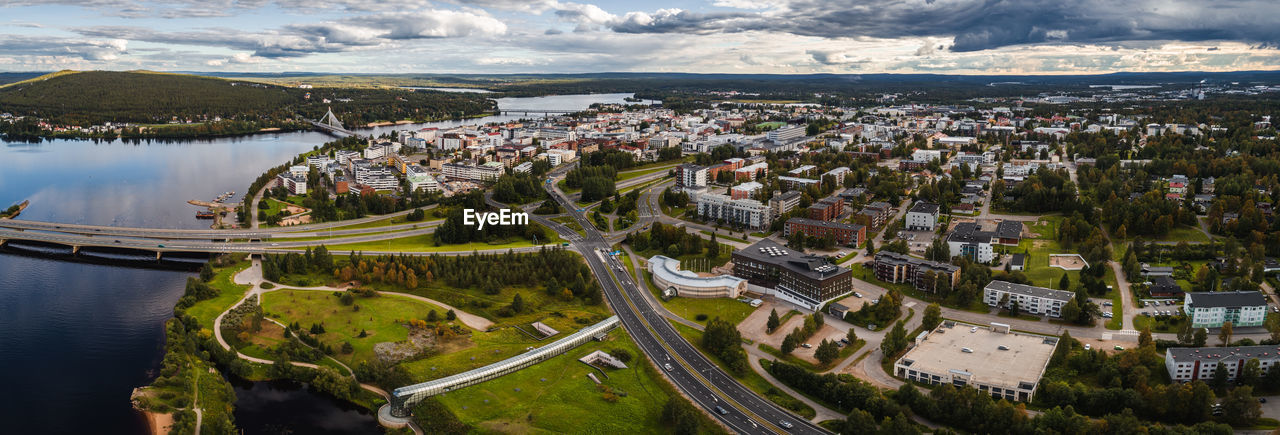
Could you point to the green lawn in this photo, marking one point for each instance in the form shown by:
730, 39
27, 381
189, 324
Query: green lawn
275, 206
722, 236
845, 352
556, 396
425, 243
1171, 324
382, 317
207, 310
570, 222
751, 379
627, 175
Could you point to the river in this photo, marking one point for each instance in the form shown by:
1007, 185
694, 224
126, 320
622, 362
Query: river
76, 338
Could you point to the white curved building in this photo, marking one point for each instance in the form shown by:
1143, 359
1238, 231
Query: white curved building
667, 274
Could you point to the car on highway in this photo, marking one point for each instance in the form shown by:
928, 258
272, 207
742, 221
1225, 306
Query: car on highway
117, 241
721, 411
275, 244
667, 366
159, 246
785, 424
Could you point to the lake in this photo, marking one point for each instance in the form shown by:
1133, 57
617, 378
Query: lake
77, 337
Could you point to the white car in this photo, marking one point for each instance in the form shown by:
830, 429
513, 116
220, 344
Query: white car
856, 294
1088, 346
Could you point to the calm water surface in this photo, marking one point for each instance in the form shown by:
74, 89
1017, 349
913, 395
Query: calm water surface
76, 338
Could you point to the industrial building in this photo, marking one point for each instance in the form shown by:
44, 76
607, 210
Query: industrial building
995, 360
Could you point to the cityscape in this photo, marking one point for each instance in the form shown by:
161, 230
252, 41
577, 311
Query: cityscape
726, 217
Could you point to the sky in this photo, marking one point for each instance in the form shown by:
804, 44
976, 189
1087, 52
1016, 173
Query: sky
701, 36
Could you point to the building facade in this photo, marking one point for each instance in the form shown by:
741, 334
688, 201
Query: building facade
1212, 309
1186, 364
923, 216
667, 275
1035, 300
844, 234
809, 281
744, 212
893, 267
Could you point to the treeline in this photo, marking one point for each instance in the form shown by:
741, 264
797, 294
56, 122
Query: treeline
596, 181
672, 241
1041, 192
229, 107
518, 188
723, 340
557, 268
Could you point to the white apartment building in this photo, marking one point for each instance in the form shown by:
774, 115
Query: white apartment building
926, 155
1031, 299
786, 133
1212, 309
691, 177
745, 212
420, 179
1186, 364
295, 184
487, 172
379, 178
923, 216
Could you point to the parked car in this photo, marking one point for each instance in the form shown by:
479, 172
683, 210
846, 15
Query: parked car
1088, 346
806, 345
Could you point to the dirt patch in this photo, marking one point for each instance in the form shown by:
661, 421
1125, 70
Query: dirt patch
419, 342
1067, 261
827, 332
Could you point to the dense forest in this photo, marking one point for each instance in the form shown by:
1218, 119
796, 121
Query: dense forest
175, 105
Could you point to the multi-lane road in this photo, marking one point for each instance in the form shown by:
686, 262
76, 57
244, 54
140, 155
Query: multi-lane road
695, 375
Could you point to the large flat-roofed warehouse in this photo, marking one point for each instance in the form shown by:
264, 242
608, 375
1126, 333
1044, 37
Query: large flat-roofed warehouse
993, 359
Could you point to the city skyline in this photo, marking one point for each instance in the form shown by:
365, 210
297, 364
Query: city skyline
717, 36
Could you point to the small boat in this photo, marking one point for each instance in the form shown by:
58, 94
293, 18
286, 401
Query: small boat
204, 215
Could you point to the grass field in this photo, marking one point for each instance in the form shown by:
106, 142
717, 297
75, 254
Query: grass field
396, 220
570, 222
556, 396
722, 236
381, 317
207, 310
627, 175
628, 189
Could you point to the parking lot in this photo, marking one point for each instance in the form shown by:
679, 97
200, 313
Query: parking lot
1160, 307
917, 241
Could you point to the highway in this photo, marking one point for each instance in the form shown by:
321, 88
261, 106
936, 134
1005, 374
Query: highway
172, 234
695, 375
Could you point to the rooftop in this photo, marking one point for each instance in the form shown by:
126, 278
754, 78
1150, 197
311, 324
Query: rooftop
968, 232
818, 223
668, 269
924, 207
1223, 354
811, 266
1008, 229
1028, 290
1227, 299
1018, 367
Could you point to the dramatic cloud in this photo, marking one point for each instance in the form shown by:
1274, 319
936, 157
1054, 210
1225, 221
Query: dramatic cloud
985, 24
86, 49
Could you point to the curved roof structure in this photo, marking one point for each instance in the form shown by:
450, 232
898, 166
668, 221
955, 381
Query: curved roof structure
668, 270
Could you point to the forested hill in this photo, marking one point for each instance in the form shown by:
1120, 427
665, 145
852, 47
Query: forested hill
94, 97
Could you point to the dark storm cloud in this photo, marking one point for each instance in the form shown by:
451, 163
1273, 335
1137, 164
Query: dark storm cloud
985, 24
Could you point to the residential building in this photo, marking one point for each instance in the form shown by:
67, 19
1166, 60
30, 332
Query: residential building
489, 171
795, 183
1212, 309
842, 233
420, 179
1165, 286
378, 178
523, 168
922, 274
745, 190
875, 214
690, 177
747, 213
806, 280
295, 184
1186, 364
786, 133
1009, 233
827, 209
927, 155
784, 202
751, 172
923, 216
1150, 271
1030, 299
995, 360
969, 241
668, 276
